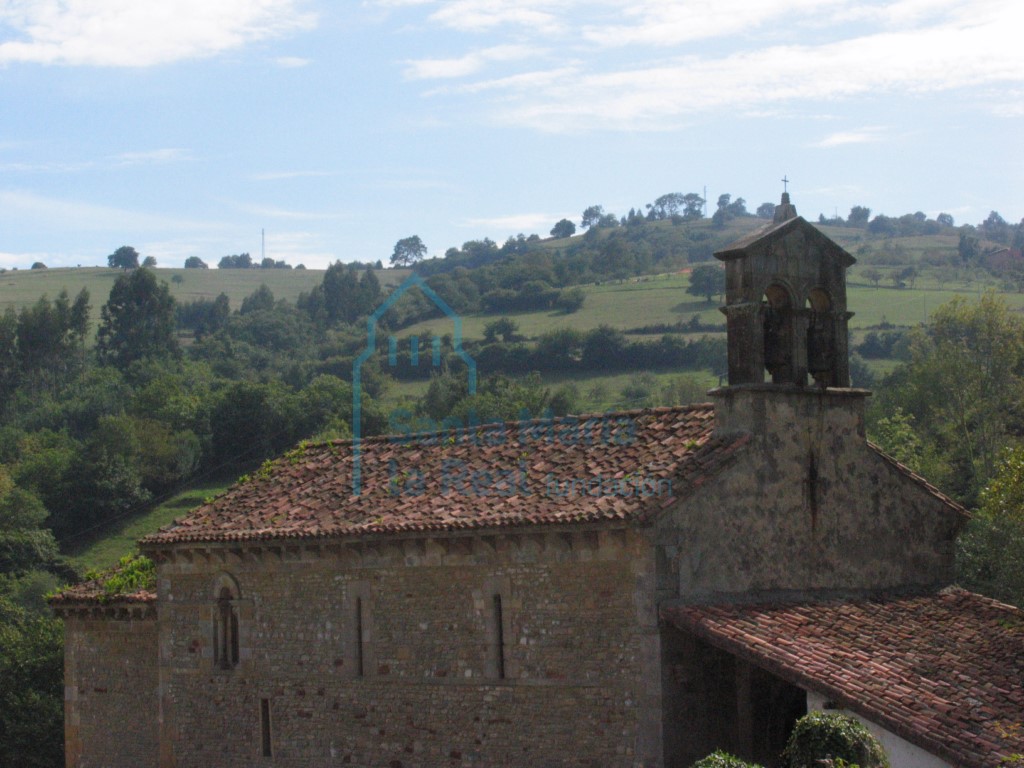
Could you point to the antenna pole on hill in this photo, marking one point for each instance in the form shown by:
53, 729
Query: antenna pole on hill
263, 244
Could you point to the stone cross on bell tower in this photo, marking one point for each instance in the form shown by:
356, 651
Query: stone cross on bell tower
785, 288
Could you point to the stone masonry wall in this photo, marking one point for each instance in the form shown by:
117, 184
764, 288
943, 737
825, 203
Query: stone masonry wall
110, 690
581, 684
807, 505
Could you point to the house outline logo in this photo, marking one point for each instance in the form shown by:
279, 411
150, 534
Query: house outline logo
413, 281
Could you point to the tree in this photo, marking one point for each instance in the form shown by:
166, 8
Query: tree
239, 261
137, 322
563, 228
106, 476
149, 261
408, 251
968, 248
194, 262
9, 367
262, 299
51, 339
693, 206
31, 688
961, 386
505, 327
38, 265
592, 216
738, 207
821, 736
896, 435
858, 217
124, 257
706, 280
765, 211
26, 544
873, 275
667, 206
995, 228
944, 220
990, 552
722, 759
570, 300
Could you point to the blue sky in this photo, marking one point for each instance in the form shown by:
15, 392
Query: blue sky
186, 128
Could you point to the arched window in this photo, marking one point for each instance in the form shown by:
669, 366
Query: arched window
225, 625
778, 334
820, 338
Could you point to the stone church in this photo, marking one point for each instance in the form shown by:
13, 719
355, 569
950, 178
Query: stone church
626, 590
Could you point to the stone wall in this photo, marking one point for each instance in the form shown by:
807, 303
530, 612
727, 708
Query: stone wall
807, 505
580, 659
110, 687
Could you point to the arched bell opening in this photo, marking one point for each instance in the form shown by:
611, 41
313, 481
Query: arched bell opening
821, 342
779, 334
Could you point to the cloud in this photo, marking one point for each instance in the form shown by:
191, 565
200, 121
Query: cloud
20, 260
841, 138
516, 223
663, 24
937, 59
291, 62
424, 69
122, 160
160, 156
655, 65
539, 16
275, 212
71, 214
139, 33
281, 175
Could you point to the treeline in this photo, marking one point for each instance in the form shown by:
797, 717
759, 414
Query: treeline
566, 350
90, 435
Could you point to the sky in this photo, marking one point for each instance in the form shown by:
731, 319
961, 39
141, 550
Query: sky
190, 128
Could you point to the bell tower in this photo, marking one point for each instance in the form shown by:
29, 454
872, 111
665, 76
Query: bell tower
786, 316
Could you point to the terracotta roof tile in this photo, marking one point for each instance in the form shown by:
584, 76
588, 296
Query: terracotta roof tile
90, 592
945, 671
609, 467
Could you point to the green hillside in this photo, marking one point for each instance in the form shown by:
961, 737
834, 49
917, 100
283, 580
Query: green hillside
254, 385
19, 288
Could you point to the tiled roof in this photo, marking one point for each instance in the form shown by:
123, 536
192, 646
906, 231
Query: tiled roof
943, 670
94, 592
610, 467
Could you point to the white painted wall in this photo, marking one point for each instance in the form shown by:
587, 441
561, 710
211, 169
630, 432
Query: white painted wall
902, 754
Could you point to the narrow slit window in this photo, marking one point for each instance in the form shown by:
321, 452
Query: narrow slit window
266, 742
225, 631
499, 639
359, 636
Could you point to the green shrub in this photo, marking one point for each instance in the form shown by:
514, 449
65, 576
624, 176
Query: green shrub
832, 736
720, 759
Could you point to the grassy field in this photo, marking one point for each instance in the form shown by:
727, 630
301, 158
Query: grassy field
119, 539
663, 299
598, 391
19, 288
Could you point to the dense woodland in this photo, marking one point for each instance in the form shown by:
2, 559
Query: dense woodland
109, 404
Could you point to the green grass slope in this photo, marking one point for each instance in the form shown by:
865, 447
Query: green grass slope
20, 288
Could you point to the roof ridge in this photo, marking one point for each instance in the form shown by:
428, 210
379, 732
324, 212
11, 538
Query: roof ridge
508, 423
907, 471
